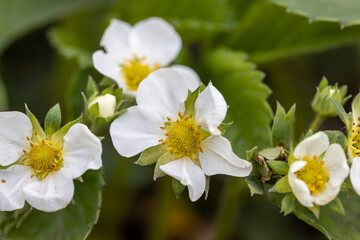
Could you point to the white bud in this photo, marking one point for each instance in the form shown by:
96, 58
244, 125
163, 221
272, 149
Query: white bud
107, 105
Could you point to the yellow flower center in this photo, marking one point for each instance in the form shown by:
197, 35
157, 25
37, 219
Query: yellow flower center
135, 71
354, 139
313, 174
43, 157
184, 137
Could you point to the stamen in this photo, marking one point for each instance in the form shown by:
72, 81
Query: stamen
3, 181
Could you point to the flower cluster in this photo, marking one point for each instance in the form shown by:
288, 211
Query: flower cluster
166, 114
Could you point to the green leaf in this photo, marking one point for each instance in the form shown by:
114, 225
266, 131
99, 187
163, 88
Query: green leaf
73, 222
270, 153
252, 33
333, 225
37, 129
283, 126
164, 159
24, 17
241, 84
279, 167
341, 113
150, 155
288, 203
254, 185
3, 97
337, 137
52, 120
336, 206
177, 186
281, 186
345, 12
92, 88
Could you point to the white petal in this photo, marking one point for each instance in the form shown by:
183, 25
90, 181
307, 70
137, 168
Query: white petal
155, 39
51, 194
163, 91
82, 150
107, 105
335, 163
14, 128
189, 174
11, 191
299, 188
136, 130
109, 66
313, 145
355, 174
190, 76
116, 37
218, 158
210, 109
326, 195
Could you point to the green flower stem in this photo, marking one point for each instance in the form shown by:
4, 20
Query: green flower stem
228, 208
164, 204
316, 123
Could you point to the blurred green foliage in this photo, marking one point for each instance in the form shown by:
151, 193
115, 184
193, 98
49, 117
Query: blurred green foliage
46, 49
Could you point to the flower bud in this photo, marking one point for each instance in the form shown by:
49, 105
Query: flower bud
321, 104
107, 105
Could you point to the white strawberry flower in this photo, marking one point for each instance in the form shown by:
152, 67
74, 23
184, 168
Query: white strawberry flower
355, 174
190, 141
319, 170
42, 168
133, 52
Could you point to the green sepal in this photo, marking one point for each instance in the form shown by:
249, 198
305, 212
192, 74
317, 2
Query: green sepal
207, 187
262, 169
345, 187
164, 159
35, 124
190, 102
315, 210
281, 186
336, 206
337, 137
223, 126
288, 203
250, 154
291, 159
53, 120
280, 167
91, 88
341, 113
283, 126
355, 108
270, 153
308, 134
150, 155
106, 82
254, 185
57, 137
94, 111
178, 187
118, 93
